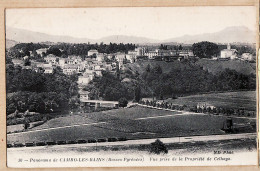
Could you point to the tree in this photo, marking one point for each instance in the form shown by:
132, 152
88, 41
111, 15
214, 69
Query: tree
158, 147
74, 103
27, 62
137, 94
122, 102
148, 68
54, 51
163, 47
205, 49
157, 69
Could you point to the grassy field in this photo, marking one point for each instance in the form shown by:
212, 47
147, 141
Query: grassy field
218, 66
125, 123
246, 99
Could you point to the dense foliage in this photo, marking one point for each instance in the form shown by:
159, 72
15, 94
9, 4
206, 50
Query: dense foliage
193, 79
38, 92
64, 49
82, 49
108, 87
23, 49
183, 79
205, 49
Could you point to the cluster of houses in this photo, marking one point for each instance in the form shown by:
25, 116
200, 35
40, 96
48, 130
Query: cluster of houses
231, 54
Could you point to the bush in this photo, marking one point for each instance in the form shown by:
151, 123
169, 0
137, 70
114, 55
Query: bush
122, 102
158, 147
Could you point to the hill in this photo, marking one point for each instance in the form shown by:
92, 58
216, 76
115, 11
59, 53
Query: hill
10, 43
26, 36
228, 35
126, 39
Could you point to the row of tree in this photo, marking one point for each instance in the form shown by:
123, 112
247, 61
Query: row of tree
65, 49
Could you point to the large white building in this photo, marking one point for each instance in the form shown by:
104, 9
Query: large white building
151, 54
228, 53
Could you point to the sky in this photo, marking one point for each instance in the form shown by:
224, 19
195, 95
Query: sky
152, 22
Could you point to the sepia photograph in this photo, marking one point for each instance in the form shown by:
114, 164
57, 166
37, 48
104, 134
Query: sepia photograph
131, 86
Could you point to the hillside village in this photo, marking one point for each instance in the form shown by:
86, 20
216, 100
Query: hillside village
95, 62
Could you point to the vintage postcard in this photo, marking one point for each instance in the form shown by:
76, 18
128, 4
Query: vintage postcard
131, 86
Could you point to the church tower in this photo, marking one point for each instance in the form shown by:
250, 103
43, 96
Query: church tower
228, 46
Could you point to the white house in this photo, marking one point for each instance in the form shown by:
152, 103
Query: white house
48, 70
17, 62
247, 57
151, 54
70, 69
108, 67
120, 57
186, 53
100, 57
62, 62
140, 51
41, 51
52, 59
110, 56
131, 57
92, 52
228, 53
43, 65
84, 95
98, 72
83, 80
72, 59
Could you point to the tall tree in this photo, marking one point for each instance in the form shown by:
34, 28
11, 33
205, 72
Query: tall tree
205, 49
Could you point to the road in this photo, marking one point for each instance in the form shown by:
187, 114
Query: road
187, 112
149, 141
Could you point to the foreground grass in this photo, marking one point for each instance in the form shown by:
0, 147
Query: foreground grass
123, 123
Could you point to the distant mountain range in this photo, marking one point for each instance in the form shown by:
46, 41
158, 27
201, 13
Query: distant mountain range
10, 43
231, 34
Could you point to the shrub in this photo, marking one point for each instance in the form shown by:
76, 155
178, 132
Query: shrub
158, 147
122, 102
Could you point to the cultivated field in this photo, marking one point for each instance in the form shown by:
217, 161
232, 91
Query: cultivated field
246, 99
127, 123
